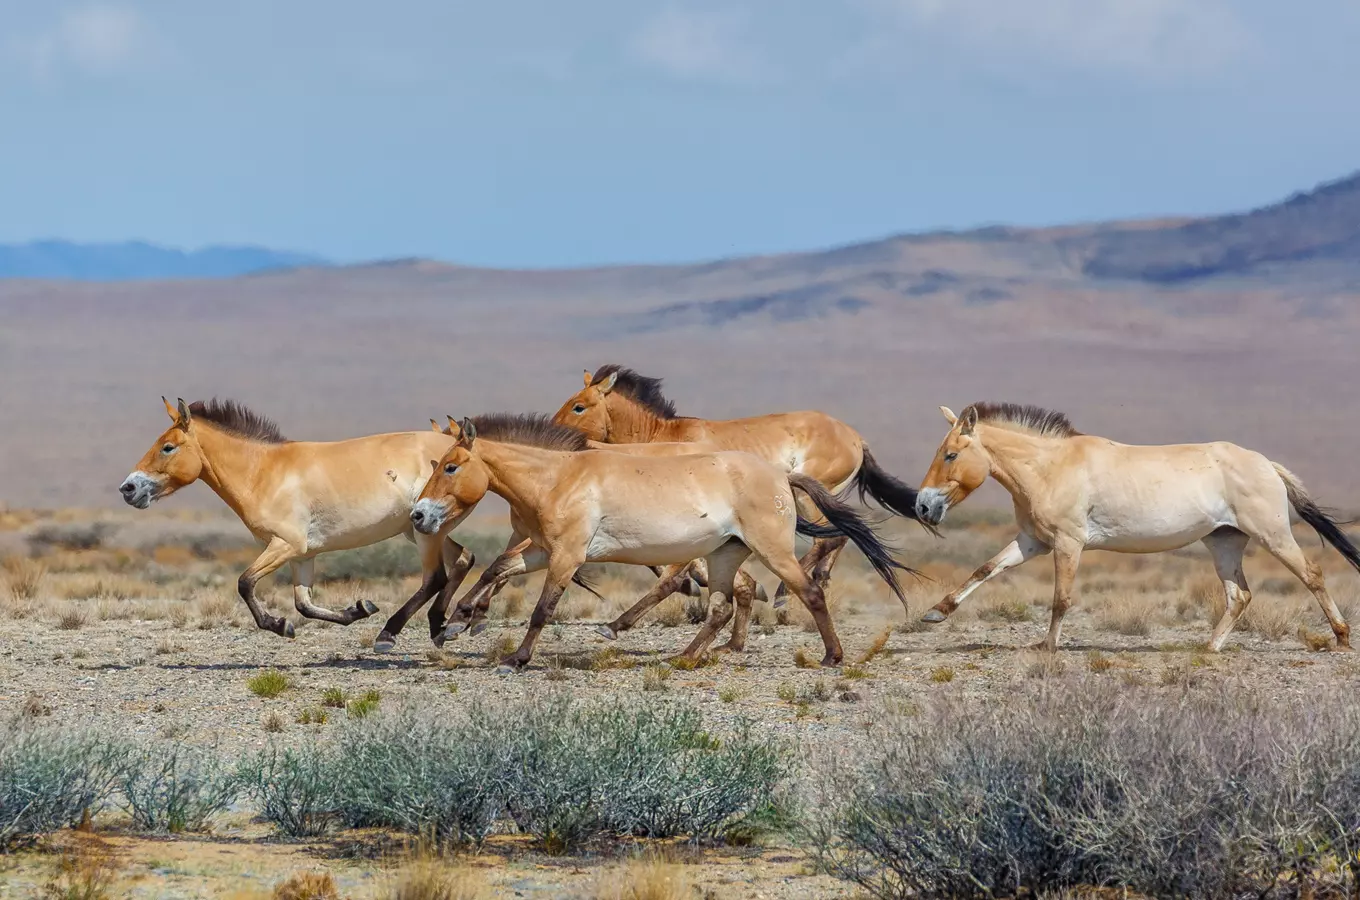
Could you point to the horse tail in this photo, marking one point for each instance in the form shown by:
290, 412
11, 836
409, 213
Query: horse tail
1324, 521
847, 522
890, 492
581, 581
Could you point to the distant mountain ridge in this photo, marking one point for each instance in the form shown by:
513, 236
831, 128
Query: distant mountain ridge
137, 260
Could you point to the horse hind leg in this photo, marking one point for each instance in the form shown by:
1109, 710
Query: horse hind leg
304, 571
1279, 541
1226, 547
723, 564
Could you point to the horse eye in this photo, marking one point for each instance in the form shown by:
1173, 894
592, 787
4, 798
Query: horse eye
450, 469
578, 409
950, 457
168, 448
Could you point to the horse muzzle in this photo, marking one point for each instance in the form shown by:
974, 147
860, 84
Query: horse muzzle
428, 516
931, 505
140, 490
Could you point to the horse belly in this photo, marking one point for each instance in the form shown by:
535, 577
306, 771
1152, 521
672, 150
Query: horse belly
1148, 531
665, 541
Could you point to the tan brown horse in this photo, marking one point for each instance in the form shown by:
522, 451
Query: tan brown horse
300, 499
618, 406
681, 578
580, 506
1073, 491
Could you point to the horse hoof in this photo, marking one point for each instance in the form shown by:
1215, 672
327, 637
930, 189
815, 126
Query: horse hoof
288, 630
830, 662
384, 643
438, 639
762, 595
1343, 648
454, 628
477, 629
780, 601
367, 607
933, 617
504, 669
605, 631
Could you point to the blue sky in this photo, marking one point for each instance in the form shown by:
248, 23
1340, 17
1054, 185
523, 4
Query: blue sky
546, 133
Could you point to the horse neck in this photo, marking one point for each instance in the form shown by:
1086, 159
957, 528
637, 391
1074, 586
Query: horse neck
232, 467
1017, 459
633, 423
519, 474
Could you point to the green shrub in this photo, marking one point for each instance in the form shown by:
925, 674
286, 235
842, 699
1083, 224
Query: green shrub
176, 788
268, 684
50, 778
296, 788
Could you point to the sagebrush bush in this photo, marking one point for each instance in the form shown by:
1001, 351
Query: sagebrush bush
172, 787
50, 778
1212, 795
422, 775
296, 788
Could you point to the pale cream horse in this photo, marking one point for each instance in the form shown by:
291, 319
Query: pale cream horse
578, 505
1073, 491
477, 602
618, 406
300, 498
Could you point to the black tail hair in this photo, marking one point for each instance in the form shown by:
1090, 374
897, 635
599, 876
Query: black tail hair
1324, 521
846, 521
582, 581
887, 490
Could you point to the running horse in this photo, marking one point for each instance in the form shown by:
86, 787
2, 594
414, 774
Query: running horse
578, 505
1074, 491
300, 499
618, 406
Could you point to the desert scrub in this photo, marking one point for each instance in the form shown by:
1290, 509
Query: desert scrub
268, 684
295, 788
589, 771
421, 775
363, 706
1078, 782
175, 788
50, 778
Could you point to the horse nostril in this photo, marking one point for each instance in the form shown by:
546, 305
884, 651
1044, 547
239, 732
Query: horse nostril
417, 516
127, 488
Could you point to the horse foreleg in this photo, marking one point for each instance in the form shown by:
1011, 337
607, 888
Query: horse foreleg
1013, 554
559, 576
471, 610
433, 579
275, 554
1066, 559
304, 571
458, 560
723, 565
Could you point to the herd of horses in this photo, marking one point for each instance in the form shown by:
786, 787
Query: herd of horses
616, 475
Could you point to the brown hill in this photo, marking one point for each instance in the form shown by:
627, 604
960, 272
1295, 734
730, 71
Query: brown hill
1239, 328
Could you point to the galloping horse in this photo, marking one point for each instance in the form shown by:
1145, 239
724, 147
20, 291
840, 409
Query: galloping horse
580, 506
1073, 491
673, 578
301, 498
618, 406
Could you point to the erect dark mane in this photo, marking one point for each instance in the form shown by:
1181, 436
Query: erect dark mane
529, 429
646, 391
235, 418
1033, 419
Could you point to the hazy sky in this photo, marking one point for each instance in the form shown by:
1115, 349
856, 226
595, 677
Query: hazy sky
548, 132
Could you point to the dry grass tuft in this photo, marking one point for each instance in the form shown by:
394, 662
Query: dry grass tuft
670, 613
333, 697
1131, 615
805, 659
942, 674
500, 649
273, 723
654, 677
35, 707
24, 577
1041, 664
1274, 619
87, 871
647, 879
435, 880
307, 886
999, 607
879, 643
71, 618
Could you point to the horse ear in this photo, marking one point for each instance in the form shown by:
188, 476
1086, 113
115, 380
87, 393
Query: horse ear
969, 420
469, 433
434, 426
587, 377
608, 384
453, 428
184, 417
434, 465
170, 410
949, 415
